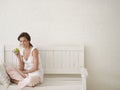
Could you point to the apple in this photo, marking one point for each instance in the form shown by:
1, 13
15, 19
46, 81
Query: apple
16, 50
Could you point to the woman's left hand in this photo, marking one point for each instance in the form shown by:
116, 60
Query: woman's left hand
25, 72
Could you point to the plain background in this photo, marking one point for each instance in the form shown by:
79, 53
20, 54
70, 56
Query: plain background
94, 23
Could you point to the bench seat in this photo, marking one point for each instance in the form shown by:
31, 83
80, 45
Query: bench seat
52, 84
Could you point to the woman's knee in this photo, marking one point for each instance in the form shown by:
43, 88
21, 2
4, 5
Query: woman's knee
10, 68
34, 80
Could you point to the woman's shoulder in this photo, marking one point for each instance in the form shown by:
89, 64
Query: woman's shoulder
35, 50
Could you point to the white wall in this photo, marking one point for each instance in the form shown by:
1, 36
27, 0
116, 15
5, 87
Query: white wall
96, 23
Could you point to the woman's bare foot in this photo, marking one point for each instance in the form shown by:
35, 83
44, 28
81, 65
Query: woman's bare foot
14, 81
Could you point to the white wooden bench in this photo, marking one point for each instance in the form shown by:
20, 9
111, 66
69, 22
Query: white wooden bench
63, 67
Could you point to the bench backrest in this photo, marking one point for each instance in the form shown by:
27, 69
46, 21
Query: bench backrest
55, 60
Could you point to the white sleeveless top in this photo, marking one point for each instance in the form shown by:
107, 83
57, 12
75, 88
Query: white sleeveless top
29, 64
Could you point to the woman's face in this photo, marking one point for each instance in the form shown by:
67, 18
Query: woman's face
24, 42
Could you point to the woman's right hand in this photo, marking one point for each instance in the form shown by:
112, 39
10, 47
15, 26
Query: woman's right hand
16, 51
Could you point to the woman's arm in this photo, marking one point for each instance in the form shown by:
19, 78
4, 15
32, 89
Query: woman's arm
20, 61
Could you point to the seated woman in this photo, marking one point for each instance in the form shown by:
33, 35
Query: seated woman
28, 73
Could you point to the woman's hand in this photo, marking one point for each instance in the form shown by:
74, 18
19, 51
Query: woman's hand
22, 72
16, 51
25, 71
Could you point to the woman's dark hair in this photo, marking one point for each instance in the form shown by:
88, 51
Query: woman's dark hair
26, 35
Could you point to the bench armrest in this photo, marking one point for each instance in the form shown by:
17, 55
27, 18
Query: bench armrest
84, 72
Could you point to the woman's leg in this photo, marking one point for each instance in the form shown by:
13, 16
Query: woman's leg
14, 74
29, 81
34, 80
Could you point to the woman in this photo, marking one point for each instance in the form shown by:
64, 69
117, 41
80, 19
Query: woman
28, 73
